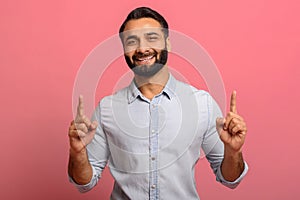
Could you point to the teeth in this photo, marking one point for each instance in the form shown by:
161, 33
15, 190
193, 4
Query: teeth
145, 59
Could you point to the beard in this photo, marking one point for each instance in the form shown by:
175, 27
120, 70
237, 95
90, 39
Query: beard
148, 70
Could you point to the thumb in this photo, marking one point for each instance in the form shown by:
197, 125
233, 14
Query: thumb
220, 124
94, 125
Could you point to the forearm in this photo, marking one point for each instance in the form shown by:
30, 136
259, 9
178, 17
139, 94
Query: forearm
79, 167
232, 165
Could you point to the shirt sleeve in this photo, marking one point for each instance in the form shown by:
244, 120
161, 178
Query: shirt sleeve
98, 154
213, 147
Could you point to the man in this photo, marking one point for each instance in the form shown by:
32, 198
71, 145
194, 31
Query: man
151, 132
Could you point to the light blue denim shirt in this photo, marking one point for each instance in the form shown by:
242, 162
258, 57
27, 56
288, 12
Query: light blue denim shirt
151, 147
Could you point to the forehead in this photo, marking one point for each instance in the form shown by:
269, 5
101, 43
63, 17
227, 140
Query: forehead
141, 23
142, 26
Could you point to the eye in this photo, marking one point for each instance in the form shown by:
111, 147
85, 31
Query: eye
152, 38
131, 42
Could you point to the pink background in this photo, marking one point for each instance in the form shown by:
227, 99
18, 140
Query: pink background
255, 45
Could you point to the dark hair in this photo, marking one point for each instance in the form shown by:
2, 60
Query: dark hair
145, 12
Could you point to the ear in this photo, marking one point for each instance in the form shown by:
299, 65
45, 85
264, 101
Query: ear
168, 44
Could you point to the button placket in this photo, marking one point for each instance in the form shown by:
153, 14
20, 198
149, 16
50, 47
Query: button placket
153, 150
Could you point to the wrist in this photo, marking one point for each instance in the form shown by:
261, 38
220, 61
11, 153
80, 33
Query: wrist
78, 155
228, 151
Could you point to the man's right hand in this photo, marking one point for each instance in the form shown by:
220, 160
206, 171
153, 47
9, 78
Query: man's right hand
81, 130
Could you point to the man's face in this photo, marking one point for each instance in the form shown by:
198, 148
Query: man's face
145, 47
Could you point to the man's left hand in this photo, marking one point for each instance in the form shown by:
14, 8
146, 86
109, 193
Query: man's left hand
232, 129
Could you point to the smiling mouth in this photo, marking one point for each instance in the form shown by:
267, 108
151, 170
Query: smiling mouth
144, 59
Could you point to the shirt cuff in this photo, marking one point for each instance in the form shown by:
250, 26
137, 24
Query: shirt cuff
87, 187
235, 183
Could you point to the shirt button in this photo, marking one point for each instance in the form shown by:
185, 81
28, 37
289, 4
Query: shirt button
152, 158
153, 186
153, 131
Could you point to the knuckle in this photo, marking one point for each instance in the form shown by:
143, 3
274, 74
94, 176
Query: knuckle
234, 131
237, 120
77, 119
77, 125
234, 120
82, 127
227, 120
80, 133
72, 133
87, 122
69, 133
84, 118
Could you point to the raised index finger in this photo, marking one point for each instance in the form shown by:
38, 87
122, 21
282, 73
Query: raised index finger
80, 110
233, 102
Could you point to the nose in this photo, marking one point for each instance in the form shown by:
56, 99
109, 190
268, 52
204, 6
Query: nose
143, 46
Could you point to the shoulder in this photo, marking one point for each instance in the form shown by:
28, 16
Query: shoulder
189, 94
121, 94
188, 89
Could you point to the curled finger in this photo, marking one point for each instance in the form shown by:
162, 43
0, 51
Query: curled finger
77, 134
82, 127
83, 119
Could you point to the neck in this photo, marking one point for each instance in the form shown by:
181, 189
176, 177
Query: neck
151, 86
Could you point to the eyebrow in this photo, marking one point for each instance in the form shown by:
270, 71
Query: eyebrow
152, 33
131, 37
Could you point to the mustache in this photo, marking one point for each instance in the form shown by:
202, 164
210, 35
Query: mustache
145, 54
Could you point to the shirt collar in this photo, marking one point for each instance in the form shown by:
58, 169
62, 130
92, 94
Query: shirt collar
169, 90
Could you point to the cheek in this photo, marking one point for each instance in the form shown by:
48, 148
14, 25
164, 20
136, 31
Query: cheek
129, 55
158, 54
